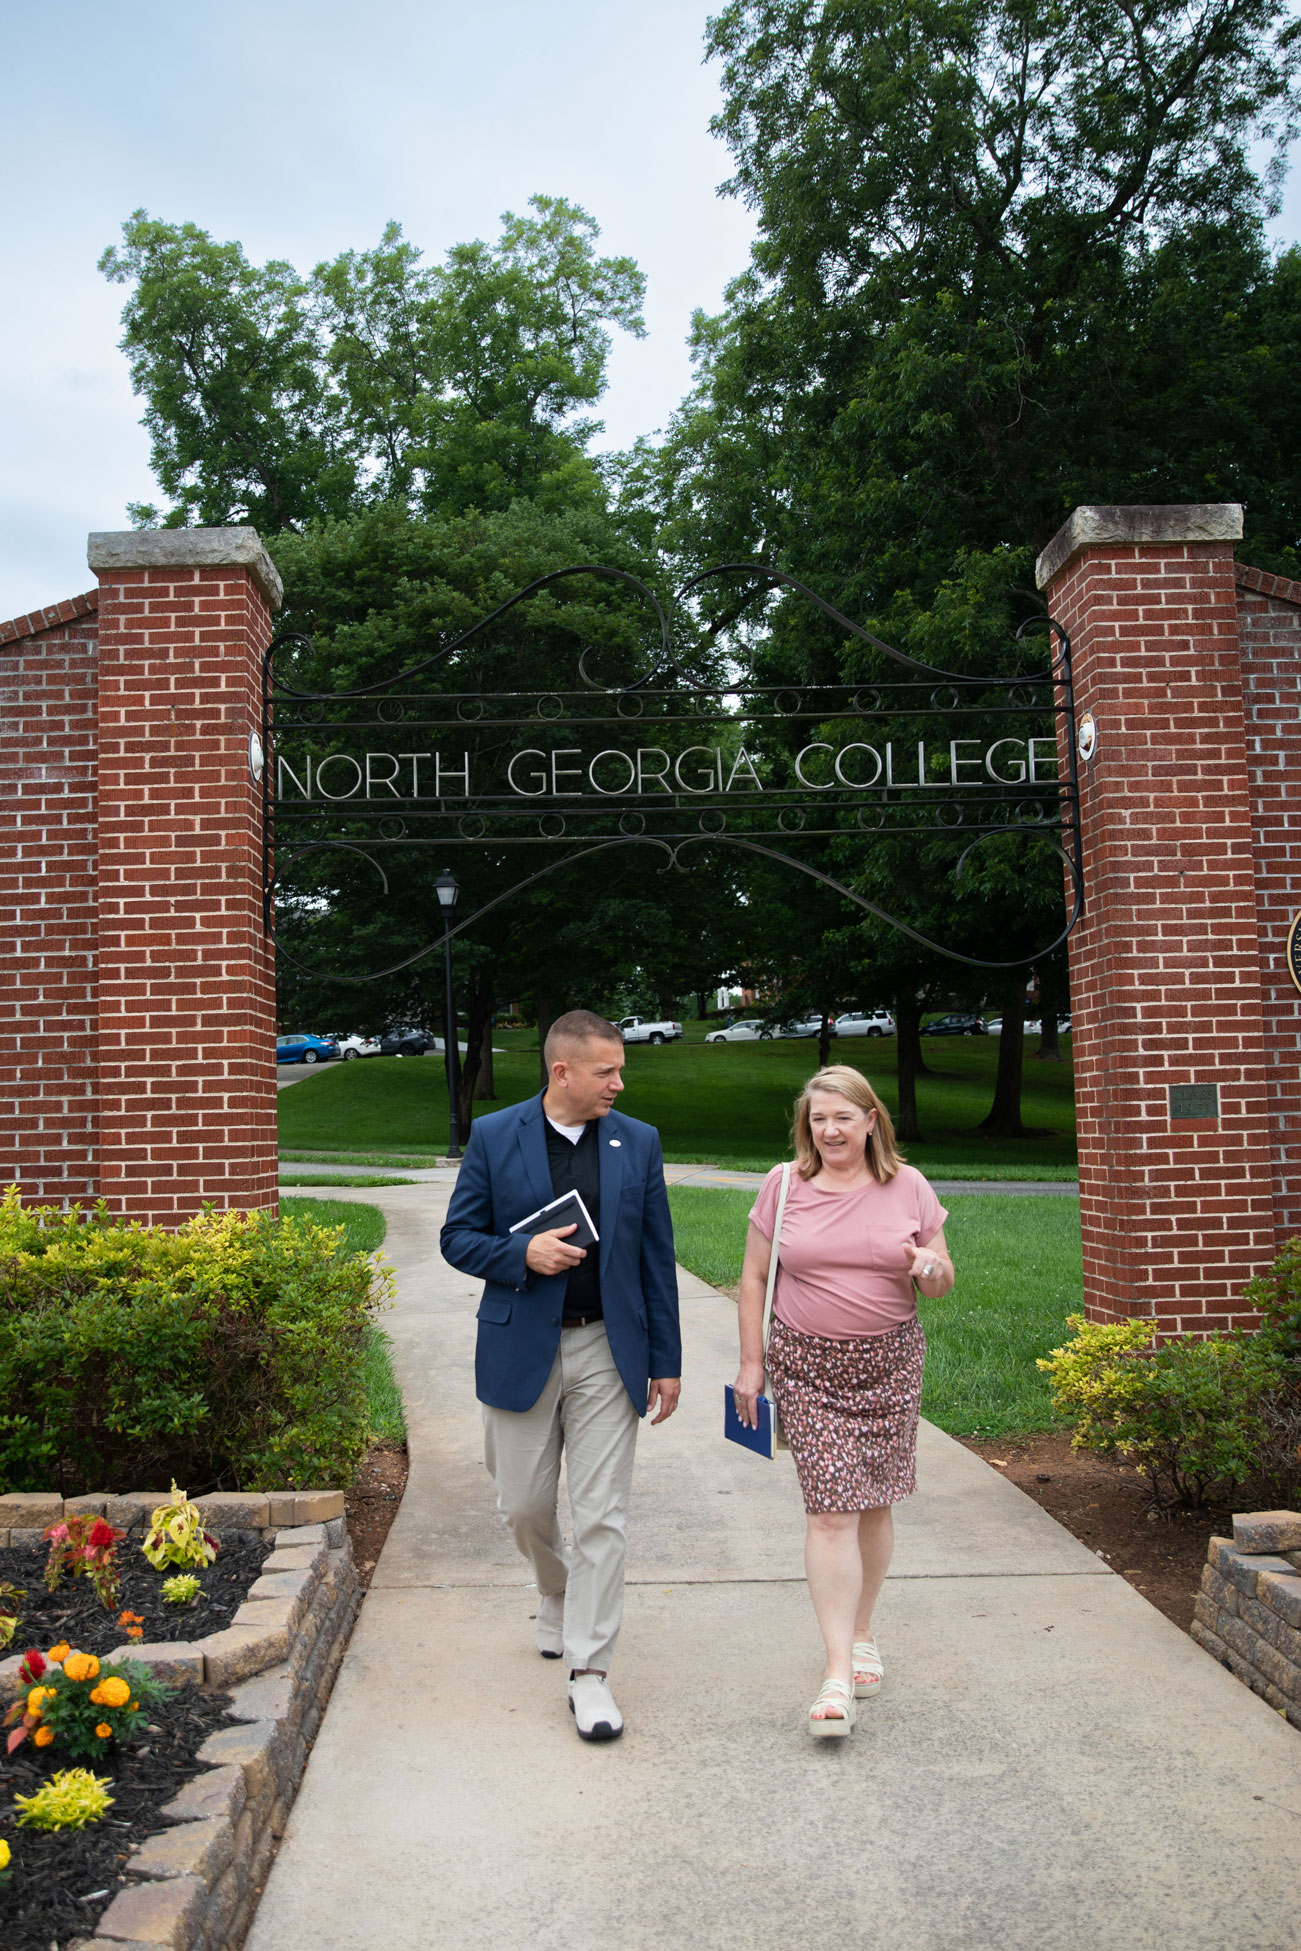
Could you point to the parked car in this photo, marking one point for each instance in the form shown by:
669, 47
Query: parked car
406, 1043
865, 1022
356, 1045
804, 1026
748, 1031
305, 1049
641, 1029
961, 1023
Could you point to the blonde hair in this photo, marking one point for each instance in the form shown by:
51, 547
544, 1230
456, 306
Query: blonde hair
882, 1155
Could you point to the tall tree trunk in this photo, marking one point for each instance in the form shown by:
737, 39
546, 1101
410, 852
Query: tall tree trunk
547, 1014
702, 1005
908, 1023
478, 1021
486, 1093
1004, 1119
1049, 1048
824, 1040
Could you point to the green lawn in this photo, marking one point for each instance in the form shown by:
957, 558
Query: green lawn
1018, 1266
364, 1229
720, 1104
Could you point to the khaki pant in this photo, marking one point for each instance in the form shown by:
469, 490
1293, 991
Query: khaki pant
585, 1412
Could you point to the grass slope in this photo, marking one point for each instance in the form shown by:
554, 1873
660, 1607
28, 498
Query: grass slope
364, 1229
1019, 1276
722, 1104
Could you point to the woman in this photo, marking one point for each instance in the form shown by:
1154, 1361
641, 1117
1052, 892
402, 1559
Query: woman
862, 1234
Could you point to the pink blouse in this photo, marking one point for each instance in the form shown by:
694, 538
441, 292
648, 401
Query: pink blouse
844, 1268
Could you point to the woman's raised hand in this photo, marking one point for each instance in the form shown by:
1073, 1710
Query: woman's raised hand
746, 1390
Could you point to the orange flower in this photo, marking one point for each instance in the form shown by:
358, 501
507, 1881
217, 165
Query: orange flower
43, 1736
111, 1693
81, 1666
135, 1707
37, 1698
135, 1632
58, 1654
104, 1731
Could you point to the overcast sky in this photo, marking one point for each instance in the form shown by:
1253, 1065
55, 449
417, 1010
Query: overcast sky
300, 127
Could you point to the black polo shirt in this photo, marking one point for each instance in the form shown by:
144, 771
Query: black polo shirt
576, 1167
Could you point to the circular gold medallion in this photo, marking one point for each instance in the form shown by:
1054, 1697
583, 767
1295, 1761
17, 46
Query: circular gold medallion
1293, 951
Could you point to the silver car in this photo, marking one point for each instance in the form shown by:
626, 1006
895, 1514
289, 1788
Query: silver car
865, 1022
750, 1031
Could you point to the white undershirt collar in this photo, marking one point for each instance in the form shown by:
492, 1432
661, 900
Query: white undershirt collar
572, 1132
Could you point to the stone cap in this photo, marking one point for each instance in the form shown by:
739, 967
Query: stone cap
187, 548
1095, 524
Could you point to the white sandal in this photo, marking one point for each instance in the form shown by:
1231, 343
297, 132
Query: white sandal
837, 1695
869, 1672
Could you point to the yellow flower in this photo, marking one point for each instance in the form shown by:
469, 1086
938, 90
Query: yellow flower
104, 1731
43, 1736
4, 1854
81, 1666
58, 1654
37, 1698
111, 1693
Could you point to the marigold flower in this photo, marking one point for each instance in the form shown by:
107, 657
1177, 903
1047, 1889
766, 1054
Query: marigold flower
37, 1697
4, 1854
43, 1736
104, 1731
135, 1707
81, 1666
112, 1692
58, 1654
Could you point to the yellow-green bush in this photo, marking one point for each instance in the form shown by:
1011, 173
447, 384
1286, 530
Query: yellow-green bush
225, 1354
1194, 1415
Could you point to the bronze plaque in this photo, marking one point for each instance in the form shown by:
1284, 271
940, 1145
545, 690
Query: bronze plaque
1194, 1100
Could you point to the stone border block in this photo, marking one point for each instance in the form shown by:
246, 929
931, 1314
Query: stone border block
1267, 1531
32, 1510
155, 1913
1248, 1614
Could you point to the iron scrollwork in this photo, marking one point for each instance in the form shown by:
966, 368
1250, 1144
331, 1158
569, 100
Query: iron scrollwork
742, 786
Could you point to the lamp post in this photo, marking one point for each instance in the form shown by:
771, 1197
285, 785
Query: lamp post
448, 887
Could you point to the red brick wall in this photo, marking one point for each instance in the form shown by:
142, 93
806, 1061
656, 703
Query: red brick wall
1165, 970
1269, 624
186, 989
137, 1010
48, 1044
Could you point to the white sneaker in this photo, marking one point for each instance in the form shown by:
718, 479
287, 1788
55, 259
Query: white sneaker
551, 1626
592, 1705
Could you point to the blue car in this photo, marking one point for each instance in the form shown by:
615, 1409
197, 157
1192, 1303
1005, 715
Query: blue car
305, 1049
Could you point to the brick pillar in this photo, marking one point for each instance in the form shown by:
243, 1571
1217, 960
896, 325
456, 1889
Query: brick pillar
1269, 632
1177, 1210
186, 1027
48, 1045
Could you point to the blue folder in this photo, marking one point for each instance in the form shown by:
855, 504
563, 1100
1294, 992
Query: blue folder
761, 1440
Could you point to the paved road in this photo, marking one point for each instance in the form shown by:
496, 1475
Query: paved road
696, 1175
1054, 1768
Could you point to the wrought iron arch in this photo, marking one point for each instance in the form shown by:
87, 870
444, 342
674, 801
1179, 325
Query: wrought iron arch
669, 813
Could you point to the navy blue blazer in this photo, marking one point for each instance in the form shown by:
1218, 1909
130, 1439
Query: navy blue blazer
504, 1177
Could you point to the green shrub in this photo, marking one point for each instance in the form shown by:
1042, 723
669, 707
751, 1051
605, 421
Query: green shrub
228, 1353
1193, 1414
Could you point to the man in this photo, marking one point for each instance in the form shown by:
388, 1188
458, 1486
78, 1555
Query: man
574, 1347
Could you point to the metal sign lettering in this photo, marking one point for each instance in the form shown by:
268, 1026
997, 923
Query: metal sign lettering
681, 756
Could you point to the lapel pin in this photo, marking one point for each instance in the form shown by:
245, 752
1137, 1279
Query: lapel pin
616, 1142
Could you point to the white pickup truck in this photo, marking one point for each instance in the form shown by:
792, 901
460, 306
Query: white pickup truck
639, 1029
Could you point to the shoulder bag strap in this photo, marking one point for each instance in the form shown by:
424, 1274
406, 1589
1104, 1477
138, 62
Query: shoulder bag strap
775, 1256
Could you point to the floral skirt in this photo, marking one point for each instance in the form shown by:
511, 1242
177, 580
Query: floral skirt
849, 1410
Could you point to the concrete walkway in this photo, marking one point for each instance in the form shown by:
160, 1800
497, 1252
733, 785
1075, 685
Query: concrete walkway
1054, 1764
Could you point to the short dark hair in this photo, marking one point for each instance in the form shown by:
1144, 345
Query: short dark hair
572, 1030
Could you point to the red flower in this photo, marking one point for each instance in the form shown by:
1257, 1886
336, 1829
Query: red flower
102, 1534
33, 1667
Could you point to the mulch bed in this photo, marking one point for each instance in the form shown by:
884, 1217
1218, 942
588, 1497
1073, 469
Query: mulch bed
1108, 1507
62, 1882
372, 1504
74, 1613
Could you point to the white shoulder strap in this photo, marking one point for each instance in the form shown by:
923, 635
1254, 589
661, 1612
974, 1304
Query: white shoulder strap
775, 1255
